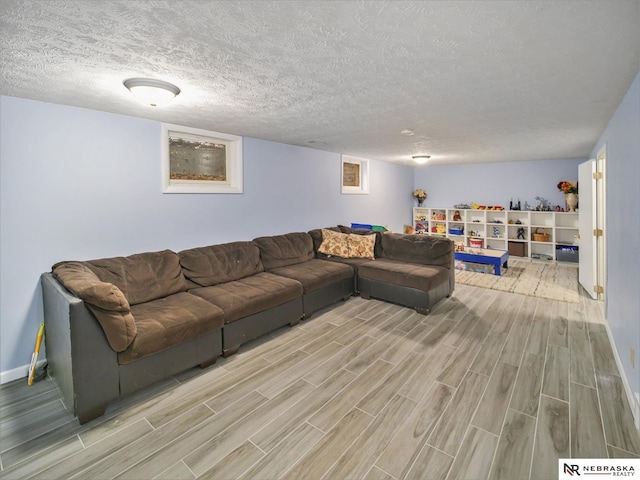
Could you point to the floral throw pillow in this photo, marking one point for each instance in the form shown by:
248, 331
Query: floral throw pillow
334, 243
362, 246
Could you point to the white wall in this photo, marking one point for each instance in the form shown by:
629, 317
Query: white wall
81, 184
496, 183
622, 177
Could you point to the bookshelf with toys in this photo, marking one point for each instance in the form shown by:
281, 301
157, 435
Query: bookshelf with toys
537, 235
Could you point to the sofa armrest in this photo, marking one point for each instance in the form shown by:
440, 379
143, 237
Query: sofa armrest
105, 300
80, 359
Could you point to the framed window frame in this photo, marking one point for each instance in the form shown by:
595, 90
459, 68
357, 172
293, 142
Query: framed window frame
233, 158
354, 175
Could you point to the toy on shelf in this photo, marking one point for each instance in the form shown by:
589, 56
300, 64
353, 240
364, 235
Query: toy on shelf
543, 205
475, 206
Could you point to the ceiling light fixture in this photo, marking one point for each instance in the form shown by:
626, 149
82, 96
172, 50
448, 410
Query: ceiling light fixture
407, 132
151, 92
421, 158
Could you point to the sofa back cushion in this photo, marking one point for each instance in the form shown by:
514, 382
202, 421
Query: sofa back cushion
216, 264
283, 250
144, 276
422, 249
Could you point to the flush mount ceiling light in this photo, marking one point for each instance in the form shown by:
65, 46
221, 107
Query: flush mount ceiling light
151, 92
407, 132
421, 158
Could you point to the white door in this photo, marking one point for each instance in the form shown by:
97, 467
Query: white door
587, 268
601, 221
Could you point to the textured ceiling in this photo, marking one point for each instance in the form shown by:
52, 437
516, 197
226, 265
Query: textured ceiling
478, 81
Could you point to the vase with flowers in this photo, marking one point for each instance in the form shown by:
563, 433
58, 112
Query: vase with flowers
420, 195
570, 191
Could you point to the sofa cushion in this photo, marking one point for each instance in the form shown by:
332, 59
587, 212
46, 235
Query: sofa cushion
105, 300
144, 276
316, 237
282, 250
315, 273
361, 246
223, 263
250, 295
412, 275
170, 321
329, 243
422, 249
80, 279
363, 231
354, 263
334, 243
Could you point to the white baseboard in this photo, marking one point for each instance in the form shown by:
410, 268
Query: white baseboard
18, 373
633, 398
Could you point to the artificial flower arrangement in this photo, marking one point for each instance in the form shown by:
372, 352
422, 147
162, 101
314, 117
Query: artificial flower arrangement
420, 194
567, 187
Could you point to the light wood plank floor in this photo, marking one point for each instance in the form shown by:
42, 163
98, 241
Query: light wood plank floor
490, 385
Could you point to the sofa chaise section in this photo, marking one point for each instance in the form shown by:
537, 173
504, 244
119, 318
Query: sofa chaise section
232, 277
414, 270
117, 325
292, 256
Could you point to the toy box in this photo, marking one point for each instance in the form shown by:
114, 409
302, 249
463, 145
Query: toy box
476, 242
517, 249
474, 267
567, 253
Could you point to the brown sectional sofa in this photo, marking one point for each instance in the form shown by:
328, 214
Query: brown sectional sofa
116, 325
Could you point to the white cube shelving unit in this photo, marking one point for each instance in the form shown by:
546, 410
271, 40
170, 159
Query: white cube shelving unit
496, 228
